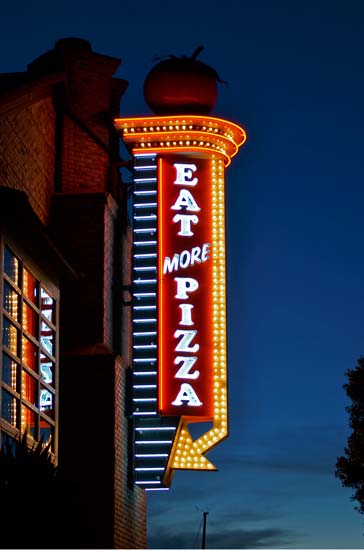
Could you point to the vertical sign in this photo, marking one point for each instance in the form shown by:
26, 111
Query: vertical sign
185, 332
179, 314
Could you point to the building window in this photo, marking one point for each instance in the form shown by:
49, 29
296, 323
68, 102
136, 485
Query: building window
28, 351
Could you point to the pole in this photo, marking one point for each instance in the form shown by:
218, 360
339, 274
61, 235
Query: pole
204, 531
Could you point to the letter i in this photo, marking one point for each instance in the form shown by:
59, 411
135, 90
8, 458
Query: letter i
186, 314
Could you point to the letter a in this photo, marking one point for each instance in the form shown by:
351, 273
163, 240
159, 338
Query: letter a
187, 393
185, 199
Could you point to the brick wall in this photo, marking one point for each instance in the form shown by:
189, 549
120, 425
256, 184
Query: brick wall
130, 502
89, 227
79, 149
61, 150
27, 153
86, 450
88, 132
78, 227
89, 218
111, 277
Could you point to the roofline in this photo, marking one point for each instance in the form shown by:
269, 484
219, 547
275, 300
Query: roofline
29, 93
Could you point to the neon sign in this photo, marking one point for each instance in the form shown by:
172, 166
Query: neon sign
185, 280
179, 311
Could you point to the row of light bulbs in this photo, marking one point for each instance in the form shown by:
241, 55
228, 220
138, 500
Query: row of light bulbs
204, 144
185, 456
173, 128
177, 127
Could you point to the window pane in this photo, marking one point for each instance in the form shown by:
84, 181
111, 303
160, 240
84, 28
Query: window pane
46, 431
11, 301
8, 407
32, 377
10, 336
47, 338
47, 369
28, 421
30, 320
47, 305
29, 355
30, 287
11, 265
29, 388
46, 402
9, 372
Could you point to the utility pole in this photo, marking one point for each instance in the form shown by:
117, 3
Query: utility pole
204, 531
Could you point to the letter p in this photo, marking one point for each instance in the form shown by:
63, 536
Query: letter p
184, 286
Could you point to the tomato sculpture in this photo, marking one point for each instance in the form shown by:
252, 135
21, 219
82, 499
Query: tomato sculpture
181, 85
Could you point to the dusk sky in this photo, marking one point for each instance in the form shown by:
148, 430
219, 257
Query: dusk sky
295, 242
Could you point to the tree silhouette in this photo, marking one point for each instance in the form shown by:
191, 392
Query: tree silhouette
350, 468
38, 506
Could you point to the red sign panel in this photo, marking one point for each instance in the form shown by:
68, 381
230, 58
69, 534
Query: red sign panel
185, 338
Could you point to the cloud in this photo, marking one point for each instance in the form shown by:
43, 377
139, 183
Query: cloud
276, 463
226, 515
232, 527
227, 538
300, 449
257, 538
246, 515
251, 499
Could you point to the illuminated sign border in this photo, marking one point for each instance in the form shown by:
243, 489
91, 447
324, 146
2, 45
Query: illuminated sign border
186, 453
184, 287
217, 140
192, 133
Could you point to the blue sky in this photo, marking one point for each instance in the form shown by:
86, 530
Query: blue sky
295, 236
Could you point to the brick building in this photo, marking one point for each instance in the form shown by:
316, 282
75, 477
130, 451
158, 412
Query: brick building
64, 261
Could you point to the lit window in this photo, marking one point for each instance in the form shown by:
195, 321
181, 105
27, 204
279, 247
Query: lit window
28, 359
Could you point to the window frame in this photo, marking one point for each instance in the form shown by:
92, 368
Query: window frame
50, 286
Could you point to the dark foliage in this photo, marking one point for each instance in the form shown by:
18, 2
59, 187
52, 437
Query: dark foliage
350, 468
37, 506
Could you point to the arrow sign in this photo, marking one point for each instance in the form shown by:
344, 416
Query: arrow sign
192, 305
187, 454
